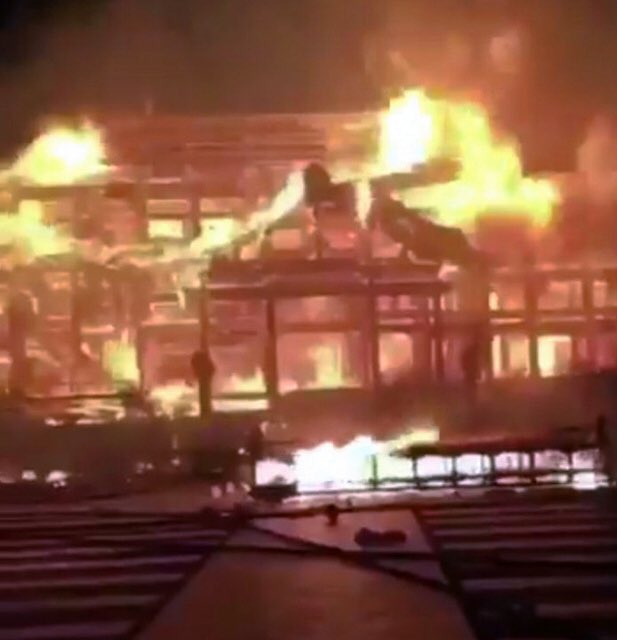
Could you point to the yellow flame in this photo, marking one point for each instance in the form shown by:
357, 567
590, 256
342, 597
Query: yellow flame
285, 201
254, 383
29, 236
328, 367
174, 398
226, 232
364, 200
215, 235
355, 462
490, 180
407, 131
62, 156
414, 437
120, 362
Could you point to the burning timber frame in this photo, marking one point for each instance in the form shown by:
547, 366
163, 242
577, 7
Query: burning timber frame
363, 276
363, 282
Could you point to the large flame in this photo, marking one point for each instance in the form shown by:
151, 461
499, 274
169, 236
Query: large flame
62, 156
355, 463
28, 236
175, 399
216, 239
366, 462
417, 128
328, 365
120, 362
407, 132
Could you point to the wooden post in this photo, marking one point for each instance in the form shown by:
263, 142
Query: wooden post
414, 470
373, 335
531, 318
75, 327
487, 343
140, 205
205, 384
505, 353
318, 239
437, 339
589, 311
374, 471
271, 353
80, 209
194, 211
17, 338
140, 349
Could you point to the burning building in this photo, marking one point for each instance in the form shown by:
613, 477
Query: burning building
133, 244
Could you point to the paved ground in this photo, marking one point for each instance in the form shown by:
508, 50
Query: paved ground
71, 575
535, 565
282, 598
532, 570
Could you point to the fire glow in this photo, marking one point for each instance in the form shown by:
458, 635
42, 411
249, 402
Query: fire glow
353, 464
490, 180
365, 463
62, 156
414, 129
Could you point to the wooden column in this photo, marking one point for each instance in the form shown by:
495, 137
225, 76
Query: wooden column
505, 352
205, 384
589, 311
140, 205
487, 343
140, 350
531, 318
318, 239
365, 244
271, 368
372, 328
17, 310
437, 339
75, 328
194, 211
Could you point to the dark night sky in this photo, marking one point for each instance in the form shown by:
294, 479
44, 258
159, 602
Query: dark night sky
205, 56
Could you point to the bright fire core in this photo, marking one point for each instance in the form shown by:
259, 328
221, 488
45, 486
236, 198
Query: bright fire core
490, 180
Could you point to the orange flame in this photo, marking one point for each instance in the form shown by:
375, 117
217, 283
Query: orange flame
490, 180
217, 238
416, 129
60, 156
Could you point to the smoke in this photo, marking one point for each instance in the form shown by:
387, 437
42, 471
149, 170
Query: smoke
597, 160
114, 55
219, 56
505, 51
